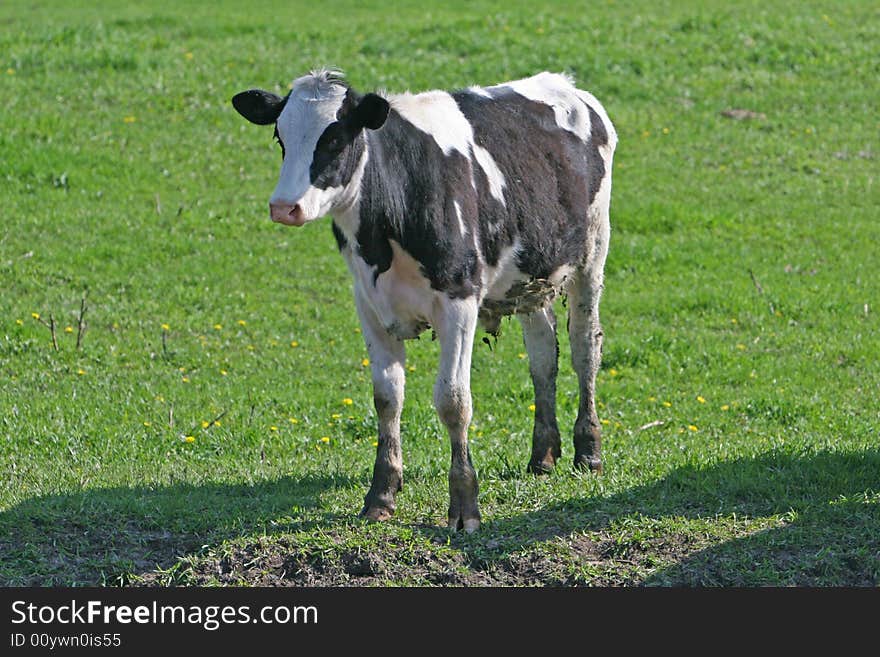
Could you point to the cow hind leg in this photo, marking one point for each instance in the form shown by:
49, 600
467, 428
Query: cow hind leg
539, 336
585, 335
455, 326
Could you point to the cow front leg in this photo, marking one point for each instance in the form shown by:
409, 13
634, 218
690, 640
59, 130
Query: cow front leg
387, 360
455, 324
539, 336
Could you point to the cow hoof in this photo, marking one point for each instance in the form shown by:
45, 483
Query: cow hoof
469, 525
542, 468
586, 463
377, 513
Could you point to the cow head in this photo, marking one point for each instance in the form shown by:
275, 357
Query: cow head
319, 126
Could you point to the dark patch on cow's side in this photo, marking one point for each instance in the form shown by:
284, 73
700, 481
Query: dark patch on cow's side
341, 242
408, 195
551, 178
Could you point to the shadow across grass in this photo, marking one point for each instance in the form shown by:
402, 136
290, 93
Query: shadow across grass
775, 519
100, 536
697, 527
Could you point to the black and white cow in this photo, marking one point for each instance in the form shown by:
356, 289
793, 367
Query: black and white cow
449, 208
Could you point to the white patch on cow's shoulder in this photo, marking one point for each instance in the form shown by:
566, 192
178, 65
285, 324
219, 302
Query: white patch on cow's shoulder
436, 113
557, 91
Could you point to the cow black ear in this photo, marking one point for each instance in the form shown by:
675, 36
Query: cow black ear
258, 106
370, 113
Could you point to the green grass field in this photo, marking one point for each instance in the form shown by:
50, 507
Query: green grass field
740, 311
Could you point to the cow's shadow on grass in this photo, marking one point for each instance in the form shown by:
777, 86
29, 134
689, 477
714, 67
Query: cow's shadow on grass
776, 519
91, 537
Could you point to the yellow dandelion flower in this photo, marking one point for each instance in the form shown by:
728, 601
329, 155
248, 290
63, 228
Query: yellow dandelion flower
351, 417
357, 329
68, 329
532, 408
251, 347
293, 420
613, 372
741, 347
241, 322
521, 356
223, 372
181, 369
205, 424
165, 327
336, 416
652, 399
605, 422
185, 379
218, 327
294, 344
375, 443
701, 399
216, 423
348, 401
35, 315
665, 131
325, 439
365, 362
160, 398
411, 368
273, 428
148, 424
733, 320
691, 427
129, 119
189, 439
19, 322
667, 404
80, 371
725, 407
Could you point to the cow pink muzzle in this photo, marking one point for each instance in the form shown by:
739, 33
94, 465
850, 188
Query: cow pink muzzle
289, 215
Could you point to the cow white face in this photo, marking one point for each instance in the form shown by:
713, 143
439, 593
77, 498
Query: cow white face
318, 125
